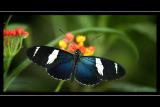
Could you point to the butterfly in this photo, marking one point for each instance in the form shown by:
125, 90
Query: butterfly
86, 70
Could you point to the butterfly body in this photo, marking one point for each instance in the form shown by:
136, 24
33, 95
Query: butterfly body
87, 70
76, 57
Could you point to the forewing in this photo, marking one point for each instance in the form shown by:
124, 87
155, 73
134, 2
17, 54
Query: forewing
59, 63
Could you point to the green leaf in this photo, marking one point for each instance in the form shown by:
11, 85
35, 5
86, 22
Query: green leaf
128, 87
148, 29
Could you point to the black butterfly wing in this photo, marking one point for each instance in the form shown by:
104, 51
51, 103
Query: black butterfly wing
86, 73
91, 70
59, 63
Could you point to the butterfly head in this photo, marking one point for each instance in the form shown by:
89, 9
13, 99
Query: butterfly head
77, 52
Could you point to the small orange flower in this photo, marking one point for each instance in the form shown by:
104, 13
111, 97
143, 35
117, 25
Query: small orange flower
82, 49
69, 36
66, 40
92, 48
72, 47
89, 51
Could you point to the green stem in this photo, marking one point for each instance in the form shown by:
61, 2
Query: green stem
19, 46
9, 18
15, 48
9, 50
7, 65
59, 86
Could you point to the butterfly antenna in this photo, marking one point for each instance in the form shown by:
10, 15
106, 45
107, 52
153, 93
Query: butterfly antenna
62, 31
97, 36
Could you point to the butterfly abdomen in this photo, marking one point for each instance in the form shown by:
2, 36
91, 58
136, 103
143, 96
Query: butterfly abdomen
76, 58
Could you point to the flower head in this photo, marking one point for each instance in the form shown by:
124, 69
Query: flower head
18, 32
71, 46
13, 40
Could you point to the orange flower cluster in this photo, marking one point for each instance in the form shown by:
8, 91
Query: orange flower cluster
19, 31
13, 39
69, 45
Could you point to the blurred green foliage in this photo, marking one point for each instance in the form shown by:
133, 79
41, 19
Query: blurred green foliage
127, 39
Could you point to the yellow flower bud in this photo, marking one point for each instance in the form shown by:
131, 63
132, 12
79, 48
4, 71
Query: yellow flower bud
80, 38
62, 44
